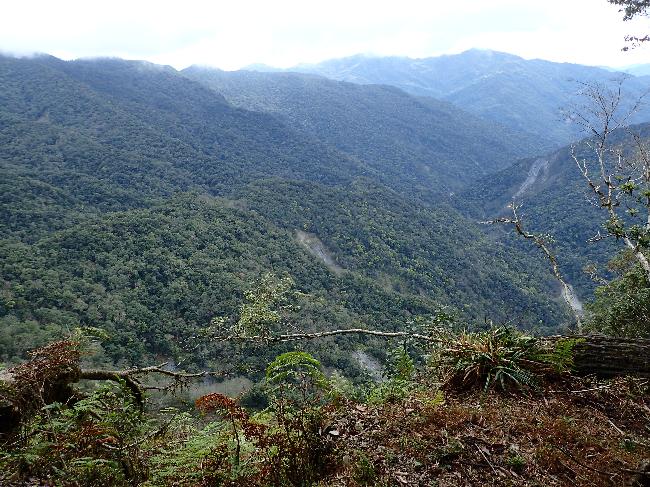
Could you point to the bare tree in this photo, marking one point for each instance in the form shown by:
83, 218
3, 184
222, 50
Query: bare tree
543, 243
614, 160
615, 163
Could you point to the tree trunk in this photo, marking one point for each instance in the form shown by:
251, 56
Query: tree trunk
611, 357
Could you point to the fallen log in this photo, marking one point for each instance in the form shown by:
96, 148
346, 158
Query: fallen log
608, 357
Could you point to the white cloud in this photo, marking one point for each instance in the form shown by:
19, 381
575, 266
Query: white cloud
285, 32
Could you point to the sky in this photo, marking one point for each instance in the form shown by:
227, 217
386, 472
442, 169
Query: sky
283, 33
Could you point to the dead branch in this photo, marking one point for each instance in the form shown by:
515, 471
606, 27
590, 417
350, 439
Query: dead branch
611, 475
291, 337
600, 118
541, 242
116, 376
131, 378
598, 237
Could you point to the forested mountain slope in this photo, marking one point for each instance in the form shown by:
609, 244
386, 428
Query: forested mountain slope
555, 200
525, 95
155, 130
154, 277
417, 145
92, 154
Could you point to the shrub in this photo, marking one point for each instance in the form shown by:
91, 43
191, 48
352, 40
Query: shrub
298, 400
286, 444
399, 379
501, 358
96, 441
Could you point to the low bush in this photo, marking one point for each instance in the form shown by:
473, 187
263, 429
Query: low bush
501, 358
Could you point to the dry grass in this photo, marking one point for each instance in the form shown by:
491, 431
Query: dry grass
578, 433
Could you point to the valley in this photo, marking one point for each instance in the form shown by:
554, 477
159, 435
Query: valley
371, 270
377, 199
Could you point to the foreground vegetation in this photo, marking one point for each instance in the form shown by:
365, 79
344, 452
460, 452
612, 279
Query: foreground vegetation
491, 408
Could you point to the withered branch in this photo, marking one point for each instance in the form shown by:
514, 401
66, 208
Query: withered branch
541, 241
616, 171
132, 378
292, 337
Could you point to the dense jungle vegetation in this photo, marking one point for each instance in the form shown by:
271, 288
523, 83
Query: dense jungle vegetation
314, 248
137, 201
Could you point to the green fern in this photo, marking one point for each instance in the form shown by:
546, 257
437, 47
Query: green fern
500, 357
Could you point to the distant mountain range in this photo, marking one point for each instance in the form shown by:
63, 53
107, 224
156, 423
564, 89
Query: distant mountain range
637, 69
145, 200
415, 145
525, 95
141, 201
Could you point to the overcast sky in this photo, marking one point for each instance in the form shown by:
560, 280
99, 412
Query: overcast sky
283, 33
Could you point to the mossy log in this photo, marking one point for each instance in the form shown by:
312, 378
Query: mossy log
607, 357
611, 357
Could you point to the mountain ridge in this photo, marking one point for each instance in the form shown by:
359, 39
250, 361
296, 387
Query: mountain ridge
498, 86
430, 145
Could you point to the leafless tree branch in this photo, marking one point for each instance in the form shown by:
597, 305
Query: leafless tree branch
617, 171
290, 337
541, 242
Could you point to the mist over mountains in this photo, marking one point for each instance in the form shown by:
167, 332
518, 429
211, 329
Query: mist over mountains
524, 95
